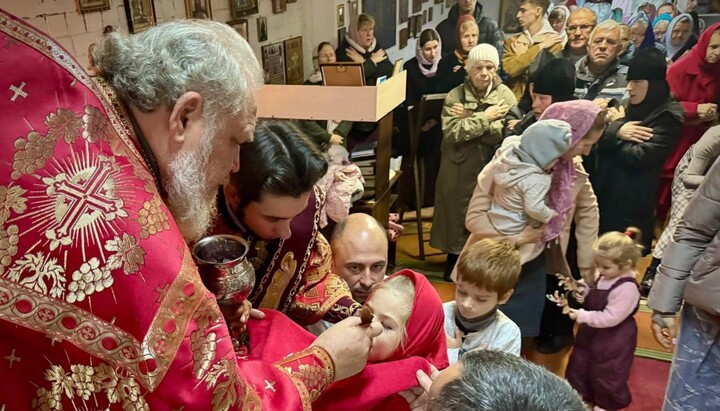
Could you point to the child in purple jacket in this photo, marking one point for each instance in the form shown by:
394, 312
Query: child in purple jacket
600, 362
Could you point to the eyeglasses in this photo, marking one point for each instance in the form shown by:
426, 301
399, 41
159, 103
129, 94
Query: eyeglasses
582, 27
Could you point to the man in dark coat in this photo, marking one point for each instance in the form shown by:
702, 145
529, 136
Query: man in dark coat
489, 30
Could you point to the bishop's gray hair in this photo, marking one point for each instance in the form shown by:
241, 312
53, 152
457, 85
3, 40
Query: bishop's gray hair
154, 68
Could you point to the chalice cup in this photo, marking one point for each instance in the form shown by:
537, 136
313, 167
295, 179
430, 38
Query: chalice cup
224, 268
226, 272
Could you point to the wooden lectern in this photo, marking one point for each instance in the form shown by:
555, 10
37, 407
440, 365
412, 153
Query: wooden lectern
367, 103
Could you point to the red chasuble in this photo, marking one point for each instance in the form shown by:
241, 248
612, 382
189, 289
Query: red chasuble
101, 306
293, 276
378, 385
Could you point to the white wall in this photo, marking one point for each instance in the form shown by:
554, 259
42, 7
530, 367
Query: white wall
314, 20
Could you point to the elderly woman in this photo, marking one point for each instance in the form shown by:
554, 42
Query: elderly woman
679, 38
571, 195
634, 147
360, 46
451, 70
695, 82
473, 118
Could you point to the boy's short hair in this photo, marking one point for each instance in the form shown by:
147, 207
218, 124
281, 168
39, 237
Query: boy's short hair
489, 264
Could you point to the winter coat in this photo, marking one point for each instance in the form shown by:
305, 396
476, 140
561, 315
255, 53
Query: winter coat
520, 191
372, 71
468, 144
417, 84
521, 177
692, 82
450, 73
584, 214
690, 267
626, 175
490, 32
610, 84
516, 65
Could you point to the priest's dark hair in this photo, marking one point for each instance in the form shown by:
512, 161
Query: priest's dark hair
281, 160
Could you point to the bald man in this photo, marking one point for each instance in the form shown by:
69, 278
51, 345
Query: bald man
580, 24
359, 250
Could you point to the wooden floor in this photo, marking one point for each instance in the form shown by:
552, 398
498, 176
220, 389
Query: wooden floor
433, 265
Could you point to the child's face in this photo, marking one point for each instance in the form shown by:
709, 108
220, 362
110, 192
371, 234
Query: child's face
608, 268
473, 301
388, 311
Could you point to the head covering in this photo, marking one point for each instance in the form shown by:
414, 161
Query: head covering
650, 65
459, 52
556, 79
543, 142
422, 62
580, 115
650, 7
663, 17
647, 64
671, 50
696, 56
649, 39
353, 36
380, 382
483, 52
563, 31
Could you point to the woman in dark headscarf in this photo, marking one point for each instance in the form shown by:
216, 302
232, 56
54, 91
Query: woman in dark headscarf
631, 153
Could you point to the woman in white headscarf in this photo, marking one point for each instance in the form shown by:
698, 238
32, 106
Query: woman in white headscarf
679, 37
422, 68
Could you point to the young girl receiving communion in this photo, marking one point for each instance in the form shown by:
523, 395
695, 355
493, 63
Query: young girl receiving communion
600, 362
411, 314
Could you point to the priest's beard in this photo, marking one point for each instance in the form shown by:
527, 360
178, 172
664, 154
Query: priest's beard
191, 200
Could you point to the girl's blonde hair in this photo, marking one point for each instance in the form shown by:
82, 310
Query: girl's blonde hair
620, 247
403, 288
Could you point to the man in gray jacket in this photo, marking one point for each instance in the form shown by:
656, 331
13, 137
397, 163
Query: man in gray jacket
690, 270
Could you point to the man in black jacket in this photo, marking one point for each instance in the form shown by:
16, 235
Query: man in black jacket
489, 30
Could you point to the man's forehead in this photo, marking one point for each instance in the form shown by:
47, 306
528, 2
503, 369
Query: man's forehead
581, 15
606, 34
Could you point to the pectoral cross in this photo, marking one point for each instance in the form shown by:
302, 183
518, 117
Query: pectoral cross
18, 90
270, 386
12, 358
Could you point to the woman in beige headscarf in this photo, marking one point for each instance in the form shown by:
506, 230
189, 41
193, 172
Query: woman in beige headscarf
360, 45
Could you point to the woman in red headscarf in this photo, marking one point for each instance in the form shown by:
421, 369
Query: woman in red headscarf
695, 82
391, 369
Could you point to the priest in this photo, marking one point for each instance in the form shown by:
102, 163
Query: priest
103, 181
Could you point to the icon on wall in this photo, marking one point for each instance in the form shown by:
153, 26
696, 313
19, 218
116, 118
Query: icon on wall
262, 29
198, 9
341, 15
140, 14
279, 6
241, 26
242, 8
89, 6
